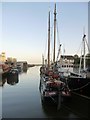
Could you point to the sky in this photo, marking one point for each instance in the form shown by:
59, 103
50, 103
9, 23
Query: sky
89, 23
24, 28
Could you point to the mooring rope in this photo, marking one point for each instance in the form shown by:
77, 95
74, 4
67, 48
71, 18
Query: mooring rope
80, 87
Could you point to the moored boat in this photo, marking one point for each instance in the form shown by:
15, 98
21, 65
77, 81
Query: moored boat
13, 71
4, 69
51, 87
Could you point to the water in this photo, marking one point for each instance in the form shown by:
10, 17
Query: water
21, 98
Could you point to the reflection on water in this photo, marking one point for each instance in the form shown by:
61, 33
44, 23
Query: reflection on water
50, 110
13, 79
2, 82
10, 79
23, 99
62, 113
25, 70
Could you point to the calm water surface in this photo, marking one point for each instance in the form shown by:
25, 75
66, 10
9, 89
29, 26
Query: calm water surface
21, 98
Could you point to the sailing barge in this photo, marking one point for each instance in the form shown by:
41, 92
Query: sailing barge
51, 87
57, 87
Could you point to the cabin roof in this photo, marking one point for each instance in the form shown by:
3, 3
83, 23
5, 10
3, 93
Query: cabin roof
70, 57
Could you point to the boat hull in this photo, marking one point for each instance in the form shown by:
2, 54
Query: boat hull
79, 104
80, 85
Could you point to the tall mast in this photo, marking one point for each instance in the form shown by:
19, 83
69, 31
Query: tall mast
54, 33
49, 41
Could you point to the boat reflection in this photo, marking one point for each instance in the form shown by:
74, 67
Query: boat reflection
25, 70
51, 111
2, 81
12, 79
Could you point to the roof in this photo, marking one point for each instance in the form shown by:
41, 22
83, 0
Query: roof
70, 57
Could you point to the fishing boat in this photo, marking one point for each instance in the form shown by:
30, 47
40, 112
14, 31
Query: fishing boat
51, 87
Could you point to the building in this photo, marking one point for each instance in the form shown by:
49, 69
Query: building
67, 60
14, 60
2, 57
22, 64
9, 59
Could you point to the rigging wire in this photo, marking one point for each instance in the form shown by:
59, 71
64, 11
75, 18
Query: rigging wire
58, 38
79, 47
52, 40
87, 45
45, 49
58, 35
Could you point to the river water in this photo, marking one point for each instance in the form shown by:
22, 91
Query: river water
21, 98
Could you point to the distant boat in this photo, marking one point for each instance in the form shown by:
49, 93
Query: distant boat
13, 71
4, 69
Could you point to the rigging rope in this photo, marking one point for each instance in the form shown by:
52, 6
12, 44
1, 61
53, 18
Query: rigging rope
79, 48
45, 49
87, 45
58, 35
52, 40
59, 49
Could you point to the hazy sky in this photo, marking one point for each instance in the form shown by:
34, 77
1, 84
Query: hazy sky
24, 28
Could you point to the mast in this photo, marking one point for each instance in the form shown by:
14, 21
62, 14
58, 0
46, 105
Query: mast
84, 61
49, 41
42, 59
80, 63
54, 33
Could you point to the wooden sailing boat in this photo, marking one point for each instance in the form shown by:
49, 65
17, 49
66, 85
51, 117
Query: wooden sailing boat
84, 43
51, 87
82, 71
81, 83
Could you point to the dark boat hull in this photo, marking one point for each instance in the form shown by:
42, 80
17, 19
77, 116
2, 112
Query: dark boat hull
80, 96
79, 104
80, 85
